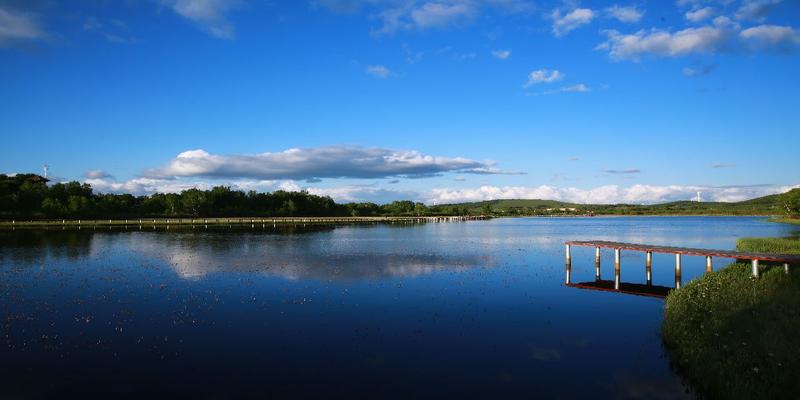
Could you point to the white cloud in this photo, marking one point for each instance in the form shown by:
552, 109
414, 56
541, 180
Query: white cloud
563, 24
756, 10
501, 54
440, 14
210, 14
141, 186
319, 162
410, 15
488, 170
113, 30
543, 76
608, 194
18, 26
700, 14
576, 88
770, 36
705, 39
379, 71
629, 14
341, 194
580, 87
97, 174
430, 14
358, 193
686, 3
699, 70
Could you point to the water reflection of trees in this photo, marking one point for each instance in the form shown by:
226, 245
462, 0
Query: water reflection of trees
26, 246
33, 245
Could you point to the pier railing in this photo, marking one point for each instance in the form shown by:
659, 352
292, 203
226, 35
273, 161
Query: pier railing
236, 220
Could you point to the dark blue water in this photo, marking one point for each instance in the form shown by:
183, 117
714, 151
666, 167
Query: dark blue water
475, 309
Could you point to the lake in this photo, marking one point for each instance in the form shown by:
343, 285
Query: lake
468, 309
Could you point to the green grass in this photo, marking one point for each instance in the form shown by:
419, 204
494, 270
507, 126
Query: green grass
769, 245
735, 337
795, 221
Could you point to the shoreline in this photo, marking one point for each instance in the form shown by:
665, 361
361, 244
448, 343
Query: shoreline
11, 223
234, 221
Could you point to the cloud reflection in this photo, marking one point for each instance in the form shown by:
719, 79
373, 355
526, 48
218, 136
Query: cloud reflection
194, 255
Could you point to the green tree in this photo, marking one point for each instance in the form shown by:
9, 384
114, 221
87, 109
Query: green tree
77, 205
173, 203
52, 207
194, 201
790, 201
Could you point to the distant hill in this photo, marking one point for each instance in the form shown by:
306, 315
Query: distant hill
767, 205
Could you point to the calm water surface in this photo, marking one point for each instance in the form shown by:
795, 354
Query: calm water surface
475, 309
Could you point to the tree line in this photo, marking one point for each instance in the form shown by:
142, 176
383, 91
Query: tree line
790, 201
30, 196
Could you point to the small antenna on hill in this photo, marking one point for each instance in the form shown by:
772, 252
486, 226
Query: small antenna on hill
46, 168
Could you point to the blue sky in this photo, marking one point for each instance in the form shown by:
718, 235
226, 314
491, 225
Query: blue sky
436, 101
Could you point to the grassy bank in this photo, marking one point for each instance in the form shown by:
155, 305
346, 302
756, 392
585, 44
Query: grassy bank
735, 337
769, 245
795, 221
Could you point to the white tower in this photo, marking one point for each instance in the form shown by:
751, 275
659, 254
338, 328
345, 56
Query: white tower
698, 199
45, 167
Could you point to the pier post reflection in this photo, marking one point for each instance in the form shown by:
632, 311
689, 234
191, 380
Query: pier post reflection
616, 268
568, 269
597, 263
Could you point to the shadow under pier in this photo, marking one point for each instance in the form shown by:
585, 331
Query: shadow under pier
624, 287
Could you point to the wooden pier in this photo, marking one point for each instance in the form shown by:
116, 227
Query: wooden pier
754, 258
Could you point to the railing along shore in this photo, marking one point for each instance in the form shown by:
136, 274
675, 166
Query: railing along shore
234, 220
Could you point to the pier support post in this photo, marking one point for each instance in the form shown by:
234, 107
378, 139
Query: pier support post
756, 271
568, 264
568, 255
597, 264
677, 271
709, 267
648, 266
616, 269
